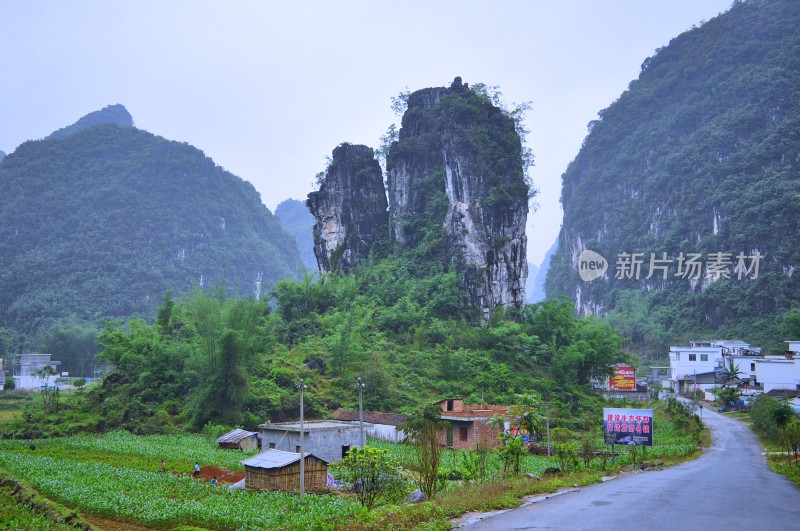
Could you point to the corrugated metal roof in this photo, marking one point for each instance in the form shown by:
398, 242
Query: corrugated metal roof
235, 436
275, 459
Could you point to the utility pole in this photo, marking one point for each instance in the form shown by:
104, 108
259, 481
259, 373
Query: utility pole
548, 430
360, 388
302, 387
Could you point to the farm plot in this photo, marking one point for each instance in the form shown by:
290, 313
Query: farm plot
157, 499
133, 451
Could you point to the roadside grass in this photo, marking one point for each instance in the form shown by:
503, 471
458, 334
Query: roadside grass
775, 452
510, 493
779, 464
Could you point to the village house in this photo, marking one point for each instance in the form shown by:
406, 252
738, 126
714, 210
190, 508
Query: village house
780, 372
239, 440
469, 424
279, 470
330, 440
701, 364
25, 365
384, 425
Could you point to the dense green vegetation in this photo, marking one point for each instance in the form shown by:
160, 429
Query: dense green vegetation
208, 358
700, 155
778, 427
100, 221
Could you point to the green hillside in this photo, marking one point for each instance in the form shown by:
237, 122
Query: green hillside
700, 155
100, 222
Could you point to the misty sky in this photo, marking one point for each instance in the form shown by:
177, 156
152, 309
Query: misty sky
268, 89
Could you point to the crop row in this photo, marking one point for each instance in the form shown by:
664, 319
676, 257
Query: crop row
180, 451
157, 499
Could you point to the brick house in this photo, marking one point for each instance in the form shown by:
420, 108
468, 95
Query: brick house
469, 424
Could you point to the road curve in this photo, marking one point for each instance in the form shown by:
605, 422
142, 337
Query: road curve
729, 487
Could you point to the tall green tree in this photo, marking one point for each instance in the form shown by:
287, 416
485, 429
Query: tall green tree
425, 431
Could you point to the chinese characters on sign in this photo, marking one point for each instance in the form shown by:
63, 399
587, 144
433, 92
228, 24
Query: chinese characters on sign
622, 379
628, 426
690, 266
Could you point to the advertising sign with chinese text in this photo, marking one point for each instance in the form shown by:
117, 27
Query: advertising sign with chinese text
622, 379
628, 426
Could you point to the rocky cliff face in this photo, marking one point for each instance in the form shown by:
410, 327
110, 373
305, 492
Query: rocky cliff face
457, 197
698, 158
350, 209
456, 186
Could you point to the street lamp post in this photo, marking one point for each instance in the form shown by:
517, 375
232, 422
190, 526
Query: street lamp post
302, 387
360, 388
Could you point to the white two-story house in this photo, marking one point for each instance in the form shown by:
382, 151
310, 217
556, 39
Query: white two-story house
700, 365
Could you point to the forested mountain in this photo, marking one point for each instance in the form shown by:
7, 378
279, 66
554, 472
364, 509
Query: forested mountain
299, 222
701, 155
100, 219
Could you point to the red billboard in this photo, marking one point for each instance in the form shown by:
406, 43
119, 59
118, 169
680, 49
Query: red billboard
623, 378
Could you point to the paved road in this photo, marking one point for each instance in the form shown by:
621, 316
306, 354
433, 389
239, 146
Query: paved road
729, 487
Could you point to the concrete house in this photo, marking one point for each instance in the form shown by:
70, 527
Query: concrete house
700, 365
780, 373
469, 424
27, 364
384, 425
329, 440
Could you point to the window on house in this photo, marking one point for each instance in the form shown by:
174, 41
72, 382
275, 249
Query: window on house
703, 357
463, 433
692, 357
271, 446
297, 449
449, 405
345, 450
752, 366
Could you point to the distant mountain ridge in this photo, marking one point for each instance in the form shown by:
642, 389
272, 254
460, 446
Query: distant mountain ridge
111, 114
100, 219
299, 222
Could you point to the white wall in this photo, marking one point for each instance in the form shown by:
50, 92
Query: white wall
778, 374
682, 367
384, 432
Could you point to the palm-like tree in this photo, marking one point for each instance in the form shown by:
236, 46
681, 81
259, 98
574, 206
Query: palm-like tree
730, 373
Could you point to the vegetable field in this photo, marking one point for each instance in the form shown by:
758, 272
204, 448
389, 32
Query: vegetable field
126, 492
